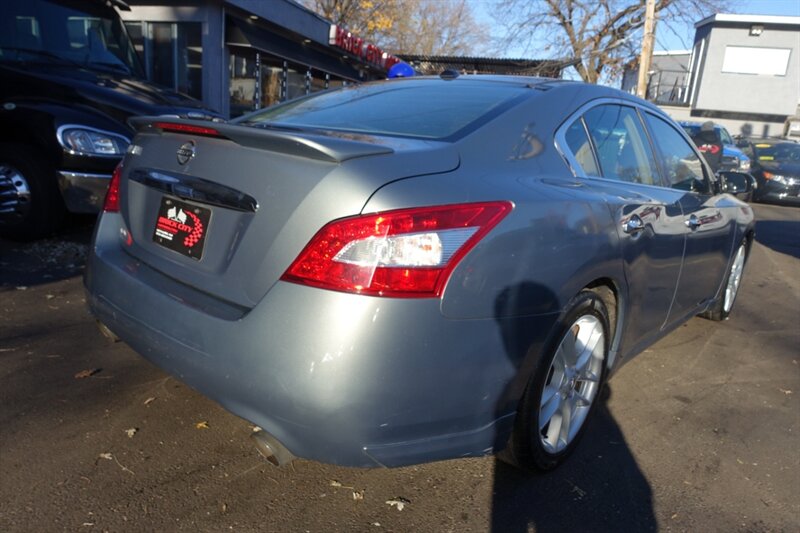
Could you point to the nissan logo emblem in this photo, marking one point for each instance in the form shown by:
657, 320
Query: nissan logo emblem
186, 152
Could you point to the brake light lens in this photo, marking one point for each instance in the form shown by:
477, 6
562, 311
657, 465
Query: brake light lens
187, 128
408, 253
111, 203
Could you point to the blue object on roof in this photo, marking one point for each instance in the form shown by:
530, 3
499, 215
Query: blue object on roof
401, 70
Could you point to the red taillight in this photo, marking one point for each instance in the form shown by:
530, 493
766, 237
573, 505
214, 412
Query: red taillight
111, 204
187, 128
406, 253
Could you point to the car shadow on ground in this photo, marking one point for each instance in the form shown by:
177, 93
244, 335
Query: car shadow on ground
601, 474
779, 235
62, 256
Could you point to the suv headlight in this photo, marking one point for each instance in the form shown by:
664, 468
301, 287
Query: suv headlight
92, 142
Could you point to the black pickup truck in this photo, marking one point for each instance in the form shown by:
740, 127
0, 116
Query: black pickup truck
69, 80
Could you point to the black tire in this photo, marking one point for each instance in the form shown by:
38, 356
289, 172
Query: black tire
730, 288
528, 449
34, 215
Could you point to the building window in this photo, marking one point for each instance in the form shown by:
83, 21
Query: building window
243, 81
752, 60
295, 81
162, 55
259, 80
271, 76
172, 53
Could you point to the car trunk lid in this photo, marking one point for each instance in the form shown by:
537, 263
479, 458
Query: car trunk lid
225, 208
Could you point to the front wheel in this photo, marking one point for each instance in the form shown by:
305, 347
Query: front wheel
722, 309
30, 202
563, 392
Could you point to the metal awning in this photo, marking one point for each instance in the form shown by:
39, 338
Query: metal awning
250, 34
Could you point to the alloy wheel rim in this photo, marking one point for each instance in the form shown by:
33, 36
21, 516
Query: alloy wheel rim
734, 279
572, 383
15, 193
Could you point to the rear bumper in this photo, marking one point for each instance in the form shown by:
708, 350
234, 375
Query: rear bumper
337, 378
83, 192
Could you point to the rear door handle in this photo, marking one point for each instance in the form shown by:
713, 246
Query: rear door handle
633, 225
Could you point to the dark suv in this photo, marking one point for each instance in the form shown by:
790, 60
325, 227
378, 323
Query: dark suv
69, 80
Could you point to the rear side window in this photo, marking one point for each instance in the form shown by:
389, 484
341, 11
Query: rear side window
581, 148
682, 165
430, 109
622, 147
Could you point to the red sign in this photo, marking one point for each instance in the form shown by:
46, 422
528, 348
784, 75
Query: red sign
367, 52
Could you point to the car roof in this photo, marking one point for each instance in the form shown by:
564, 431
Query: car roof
543, 84
496, 78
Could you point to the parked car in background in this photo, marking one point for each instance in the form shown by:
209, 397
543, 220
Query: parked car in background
69, 80
776, 167
733, 158
791, 127
416, 269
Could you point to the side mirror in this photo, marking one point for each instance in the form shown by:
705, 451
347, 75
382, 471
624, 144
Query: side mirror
736, 182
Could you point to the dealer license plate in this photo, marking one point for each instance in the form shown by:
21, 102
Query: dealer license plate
182, 227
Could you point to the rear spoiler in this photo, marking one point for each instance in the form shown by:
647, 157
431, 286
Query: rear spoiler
333, 148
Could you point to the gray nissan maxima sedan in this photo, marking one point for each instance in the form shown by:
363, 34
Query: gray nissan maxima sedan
417, 269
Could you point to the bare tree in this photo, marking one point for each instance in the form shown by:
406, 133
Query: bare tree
424, 27
437, 27
595, 36
366, 18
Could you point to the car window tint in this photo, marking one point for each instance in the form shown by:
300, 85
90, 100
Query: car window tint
430, 109
622, 147
581, 148
726, 137
682, 165
781, 152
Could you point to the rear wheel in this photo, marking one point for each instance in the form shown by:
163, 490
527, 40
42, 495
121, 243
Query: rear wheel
30, 203
722, 309
563, 392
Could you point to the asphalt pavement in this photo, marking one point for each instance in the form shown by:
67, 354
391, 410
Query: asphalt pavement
701, 432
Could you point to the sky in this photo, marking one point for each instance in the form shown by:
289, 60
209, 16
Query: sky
665, 38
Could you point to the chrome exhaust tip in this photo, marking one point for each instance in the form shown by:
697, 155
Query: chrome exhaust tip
107, 333
271, 449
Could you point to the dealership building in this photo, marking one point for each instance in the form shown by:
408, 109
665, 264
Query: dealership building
241, 55
743, 72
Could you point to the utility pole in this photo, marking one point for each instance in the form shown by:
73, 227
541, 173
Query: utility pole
647, 47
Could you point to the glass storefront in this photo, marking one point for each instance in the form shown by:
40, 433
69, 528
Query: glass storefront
259, 80
251, 61
243, 78
172, 53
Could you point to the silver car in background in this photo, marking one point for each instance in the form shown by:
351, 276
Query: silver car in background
418, 269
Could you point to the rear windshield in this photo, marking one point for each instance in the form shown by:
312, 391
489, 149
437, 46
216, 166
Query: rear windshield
694, 129
428, 109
